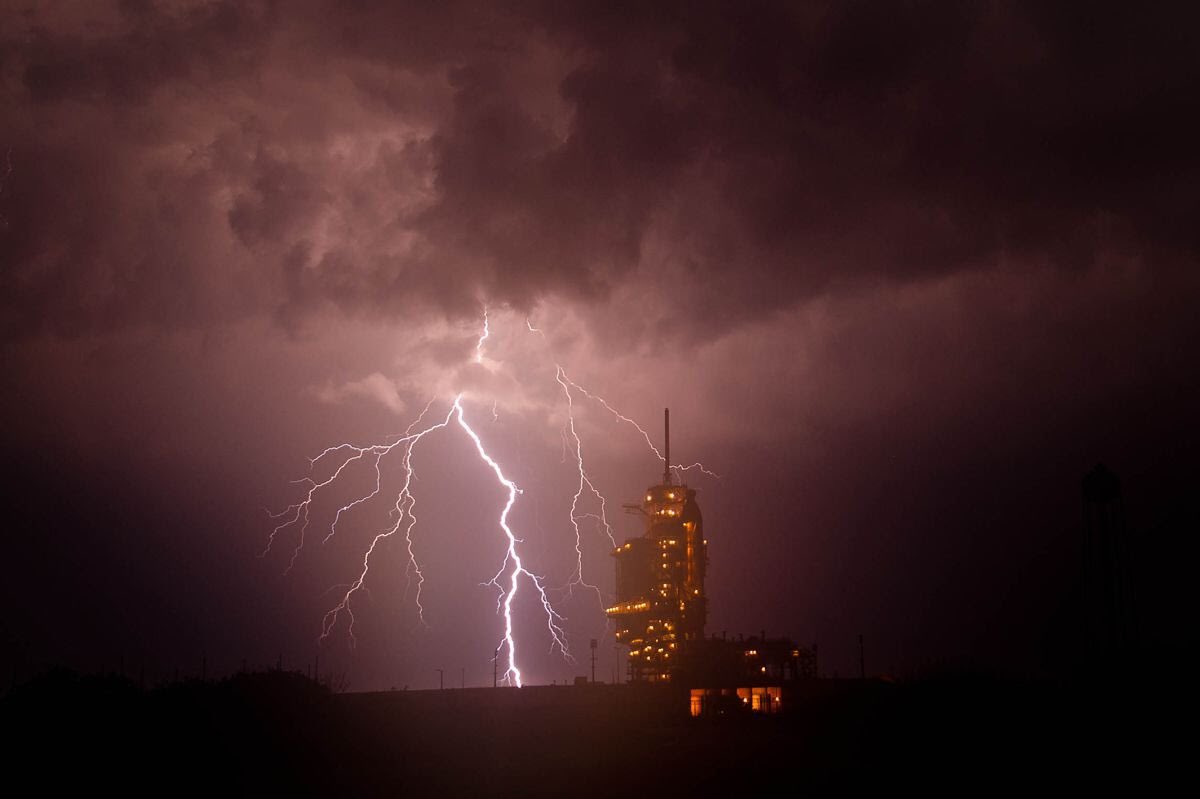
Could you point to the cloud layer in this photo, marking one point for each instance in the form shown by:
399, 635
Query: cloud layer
173, 164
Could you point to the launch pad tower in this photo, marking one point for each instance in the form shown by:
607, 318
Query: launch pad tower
661, 607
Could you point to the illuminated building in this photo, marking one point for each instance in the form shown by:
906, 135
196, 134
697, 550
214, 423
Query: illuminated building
661, 610
661, 607
752, 674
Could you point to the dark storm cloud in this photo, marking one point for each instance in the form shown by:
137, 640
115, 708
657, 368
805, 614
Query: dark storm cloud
537, 151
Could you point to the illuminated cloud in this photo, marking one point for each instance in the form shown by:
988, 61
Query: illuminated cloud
373, 387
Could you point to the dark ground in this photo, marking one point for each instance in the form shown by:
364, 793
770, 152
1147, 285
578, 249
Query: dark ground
279, 732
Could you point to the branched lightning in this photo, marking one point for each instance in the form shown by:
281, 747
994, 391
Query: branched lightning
402, 519
300, 510
585, 482
331, 618
557, 636
623, 418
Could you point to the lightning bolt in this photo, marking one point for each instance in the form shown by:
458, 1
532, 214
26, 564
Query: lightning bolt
557, 636
512, 572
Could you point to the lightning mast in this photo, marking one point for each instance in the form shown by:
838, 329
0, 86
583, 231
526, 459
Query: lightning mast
661, 606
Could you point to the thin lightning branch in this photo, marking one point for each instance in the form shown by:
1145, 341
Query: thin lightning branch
638, 427
378, 487
404, 507
300, 510
331, 618
482, 338
584, 482
412, 567
621, 417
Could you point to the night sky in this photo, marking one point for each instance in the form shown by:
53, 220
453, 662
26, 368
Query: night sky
903, 273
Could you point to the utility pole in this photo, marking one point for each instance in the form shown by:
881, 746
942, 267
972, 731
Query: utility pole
441, 681
462, 682
862, 662
594, 643
496, 668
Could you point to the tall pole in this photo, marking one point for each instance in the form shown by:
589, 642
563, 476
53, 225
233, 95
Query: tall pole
594, 643
666, 446
496, 668
862, 662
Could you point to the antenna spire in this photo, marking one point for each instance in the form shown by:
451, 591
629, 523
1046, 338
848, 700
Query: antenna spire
666, 446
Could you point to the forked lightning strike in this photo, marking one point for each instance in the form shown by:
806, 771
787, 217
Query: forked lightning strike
507, 579
557, 635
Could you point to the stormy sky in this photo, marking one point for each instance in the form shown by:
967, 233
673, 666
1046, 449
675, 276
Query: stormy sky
903, 272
